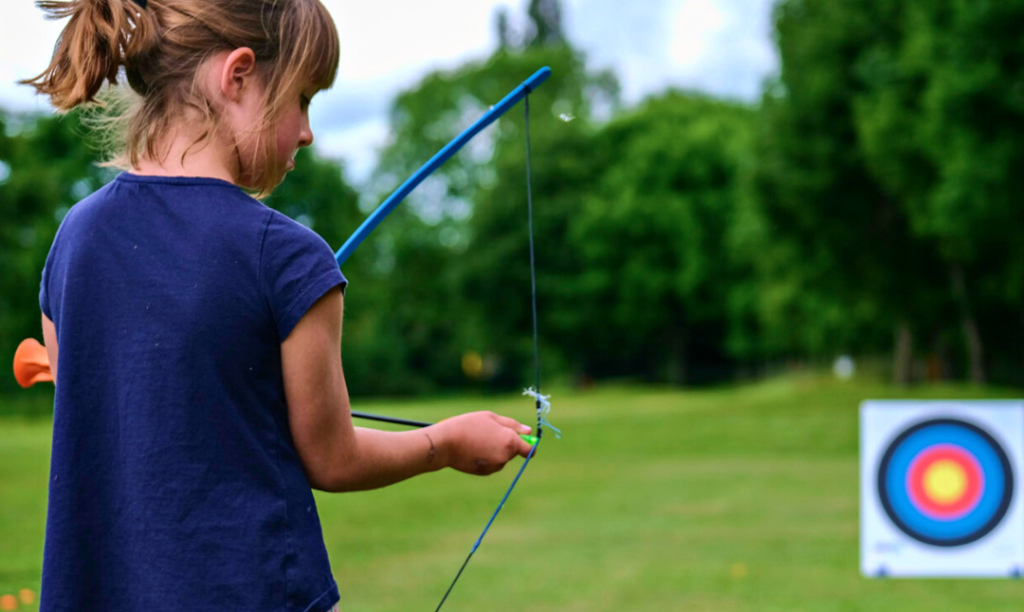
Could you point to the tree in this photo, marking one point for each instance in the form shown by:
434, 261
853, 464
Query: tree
545, 23
565, 166
838, 259
936, 113
652, 296
469, 219
49, 167
503, 30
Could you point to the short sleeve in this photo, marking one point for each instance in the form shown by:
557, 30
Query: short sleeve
297, 267
44, 298
48, 268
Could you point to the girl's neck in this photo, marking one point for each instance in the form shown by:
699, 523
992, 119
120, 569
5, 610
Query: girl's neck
204, 160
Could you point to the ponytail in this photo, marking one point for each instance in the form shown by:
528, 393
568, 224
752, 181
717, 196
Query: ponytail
101, 37
161, 45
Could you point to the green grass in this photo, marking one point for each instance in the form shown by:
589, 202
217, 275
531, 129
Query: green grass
734, 499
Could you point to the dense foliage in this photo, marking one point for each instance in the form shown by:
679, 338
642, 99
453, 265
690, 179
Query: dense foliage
869, 204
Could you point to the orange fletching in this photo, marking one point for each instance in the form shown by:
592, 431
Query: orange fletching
31, 364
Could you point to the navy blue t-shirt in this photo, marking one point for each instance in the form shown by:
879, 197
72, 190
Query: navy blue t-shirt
174, 480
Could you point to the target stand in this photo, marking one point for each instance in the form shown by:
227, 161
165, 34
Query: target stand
941, 488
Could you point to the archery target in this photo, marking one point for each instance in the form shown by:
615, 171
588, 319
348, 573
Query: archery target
940, 492
945, 482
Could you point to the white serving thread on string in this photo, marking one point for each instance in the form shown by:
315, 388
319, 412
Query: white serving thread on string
543, 411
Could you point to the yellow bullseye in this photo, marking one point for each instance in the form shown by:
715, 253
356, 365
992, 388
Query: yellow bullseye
945, 481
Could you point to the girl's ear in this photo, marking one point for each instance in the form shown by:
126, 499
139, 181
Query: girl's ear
238, 73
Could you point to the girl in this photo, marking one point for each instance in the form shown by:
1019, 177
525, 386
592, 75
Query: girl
194, 333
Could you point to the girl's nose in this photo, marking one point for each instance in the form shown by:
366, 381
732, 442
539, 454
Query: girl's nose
306, 134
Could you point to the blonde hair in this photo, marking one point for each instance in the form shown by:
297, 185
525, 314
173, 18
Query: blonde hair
161, 48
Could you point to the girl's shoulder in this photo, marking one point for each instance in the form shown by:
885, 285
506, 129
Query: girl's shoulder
133, 194
283, 229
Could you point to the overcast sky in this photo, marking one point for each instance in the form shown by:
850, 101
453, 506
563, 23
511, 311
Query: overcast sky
719, 46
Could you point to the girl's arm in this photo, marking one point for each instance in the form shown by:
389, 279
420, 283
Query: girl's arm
340, 457
50, 340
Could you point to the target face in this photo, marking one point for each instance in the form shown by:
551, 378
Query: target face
945, 482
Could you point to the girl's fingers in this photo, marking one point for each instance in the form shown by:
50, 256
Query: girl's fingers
524, 447
512, 424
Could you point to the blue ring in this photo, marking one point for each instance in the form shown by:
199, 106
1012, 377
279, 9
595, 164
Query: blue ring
977, 522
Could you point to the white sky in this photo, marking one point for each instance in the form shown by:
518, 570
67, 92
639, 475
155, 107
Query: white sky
720, 46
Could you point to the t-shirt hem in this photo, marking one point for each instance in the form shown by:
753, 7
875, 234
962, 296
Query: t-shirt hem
313, 292
326, 601
44, 304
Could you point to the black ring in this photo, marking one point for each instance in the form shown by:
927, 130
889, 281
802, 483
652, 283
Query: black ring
977, 534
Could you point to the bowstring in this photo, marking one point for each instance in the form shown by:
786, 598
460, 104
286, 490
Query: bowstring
536, 358
533, 270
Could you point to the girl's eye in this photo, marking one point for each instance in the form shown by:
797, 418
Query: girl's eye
305, 102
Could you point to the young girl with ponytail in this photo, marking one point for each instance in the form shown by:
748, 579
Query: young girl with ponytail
194, 333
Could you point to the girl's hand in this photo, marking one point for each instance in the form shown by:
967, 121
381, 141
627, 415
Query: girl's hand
481, 442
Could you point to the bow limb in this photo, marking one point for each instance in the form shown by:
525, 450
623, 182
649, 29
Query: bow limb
437, 161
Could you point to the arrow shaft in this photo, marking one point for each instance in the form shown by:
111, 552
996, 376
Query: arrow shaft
531, 440
387, 419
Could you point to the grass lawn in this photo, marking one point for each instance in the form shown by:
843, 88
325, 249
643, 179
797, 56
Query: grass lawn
723, 500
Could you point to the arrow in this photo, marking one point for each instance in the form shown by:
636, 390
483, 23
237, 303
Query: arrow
32, 365
531, 440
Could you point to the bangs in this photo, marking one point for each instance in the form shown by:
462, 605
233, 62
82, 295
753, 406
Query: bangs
309, 51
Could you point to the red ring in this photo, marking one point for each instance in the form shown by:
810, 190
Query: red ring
932, 507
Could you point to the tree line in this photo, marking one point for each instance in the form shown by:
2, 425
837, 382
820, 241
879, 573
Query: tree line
867, 204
